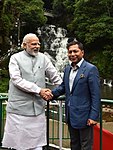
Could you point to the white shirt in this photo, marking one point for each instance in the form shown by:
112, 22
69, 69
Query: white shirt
73, 73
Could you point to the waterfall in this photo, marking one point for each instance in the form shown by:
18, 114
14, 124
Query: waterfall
108, 83
54, 45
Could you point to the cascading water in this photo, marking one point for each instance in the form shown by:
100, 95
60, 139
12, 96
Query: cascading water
109, 83
54, 45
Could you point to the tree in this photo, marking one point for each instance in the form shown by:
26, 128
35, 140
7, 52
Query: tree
64, 11
93, 23
19, 11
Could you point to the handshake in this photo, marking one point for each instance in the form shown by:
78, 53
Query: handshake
46, 94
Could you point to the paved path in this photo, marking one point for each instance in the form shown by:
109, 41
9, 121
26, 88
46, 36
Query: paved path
108, 126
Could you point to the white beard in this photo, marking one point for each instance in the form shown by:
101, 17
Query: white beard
32, 53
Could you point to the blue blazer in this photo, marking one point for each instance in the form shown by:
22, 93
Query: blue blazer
83, 101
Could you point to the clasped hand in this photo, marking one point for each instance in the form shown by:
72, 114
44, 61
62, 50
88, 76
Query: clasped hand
46, 94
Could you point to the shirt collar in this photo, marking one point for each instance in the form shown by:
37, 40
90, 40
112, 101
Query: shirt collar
78, 64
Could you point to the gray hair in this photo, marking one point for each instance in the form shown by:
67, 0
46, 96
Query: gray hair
27, 38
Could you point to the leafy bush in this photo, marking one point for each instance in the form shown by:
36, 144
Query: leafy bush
4, 82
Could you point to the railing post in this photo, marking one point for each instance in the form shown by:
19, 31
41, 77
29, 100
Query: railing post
101, 127
60, 124
47, 125
2, 98
0, 122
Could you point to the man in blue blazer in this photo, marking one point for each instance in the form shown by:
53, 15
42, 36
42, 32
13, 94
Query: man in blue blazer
81, 86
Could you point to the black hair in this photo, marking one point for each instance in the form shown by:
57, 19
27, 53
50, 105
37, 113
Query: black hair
72, 41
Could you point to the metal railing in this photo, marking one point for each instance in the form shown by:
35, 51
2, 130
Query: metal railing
103, 102
57, 110
56, 130
3, 98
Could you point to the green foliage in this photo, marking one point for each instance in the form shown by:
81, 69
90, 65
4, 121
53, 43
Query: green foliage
104, 62
4, 73
93, 25
28, 12
6, 24
63, 9
102, 29
34, 13
4, 80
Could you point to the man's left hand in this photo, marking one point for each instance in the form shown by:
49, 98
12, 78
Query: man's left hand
91, 122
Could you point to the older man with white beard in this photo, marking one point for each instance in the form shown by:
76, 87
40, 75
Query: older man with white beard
25, 127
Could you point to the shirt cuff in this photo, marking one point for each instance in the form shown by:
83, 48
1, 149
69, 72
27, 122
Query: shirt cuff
38, 90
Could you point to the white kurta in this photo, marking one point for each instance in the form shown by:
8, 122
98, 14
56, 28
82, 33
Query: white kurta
24, 132
27, 131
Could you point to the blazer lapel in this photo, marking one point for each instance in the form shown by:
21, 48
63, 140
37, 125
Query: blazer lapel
67, 72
